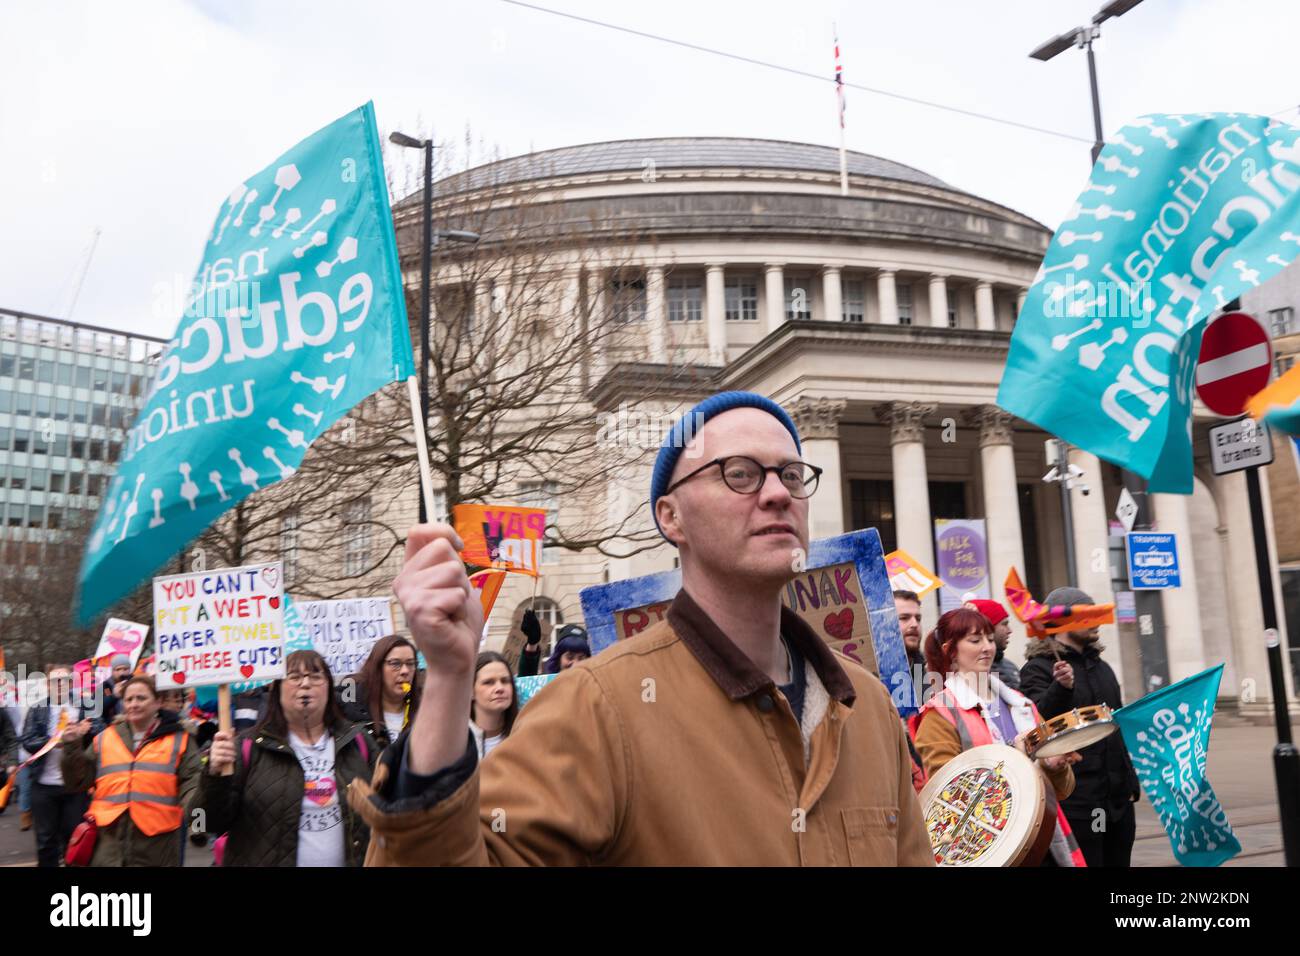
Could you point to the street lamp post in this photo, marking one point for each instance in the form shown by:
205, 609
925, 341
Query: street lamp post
1155, 665
1286, 758
427, 243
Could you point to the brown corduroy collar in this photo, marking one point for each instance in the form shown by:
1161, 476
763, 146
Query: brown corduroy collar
733, 671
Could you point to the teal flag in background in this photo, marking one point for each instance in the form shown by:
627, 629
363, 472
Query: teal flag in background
296, 314
1168, 736
526, 687
1182, 214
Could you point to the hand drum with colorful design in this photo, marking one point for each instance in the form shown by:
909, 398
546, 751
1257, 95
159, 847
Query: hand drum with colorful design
988, 806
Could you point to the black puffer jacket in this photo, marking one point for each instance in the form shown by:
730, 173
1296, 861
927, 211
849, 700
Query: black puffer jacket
259, 805
1104, 778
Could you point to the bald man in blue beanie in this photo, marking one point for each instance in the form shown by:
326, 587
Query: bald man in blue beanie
726, 734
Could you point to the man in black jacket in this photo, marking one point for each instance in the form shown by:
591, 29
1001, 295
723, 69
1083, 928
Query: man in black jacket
1100, 809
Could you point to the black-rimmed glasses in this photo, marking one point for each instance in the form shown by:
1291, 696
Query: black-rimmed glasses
745, 476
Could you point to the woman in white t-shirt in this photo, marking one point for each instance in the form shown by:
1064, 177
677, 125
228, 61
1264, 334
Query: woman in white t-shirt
278, 791
494, 707
384, 694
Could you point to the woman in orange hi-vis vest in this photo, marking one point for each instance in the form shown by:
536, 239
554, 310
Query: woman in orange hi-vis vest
976, 708
145, 772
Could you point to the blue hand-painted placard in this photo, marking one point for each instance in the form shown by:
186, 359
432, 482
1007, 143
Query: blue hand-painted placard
631, 605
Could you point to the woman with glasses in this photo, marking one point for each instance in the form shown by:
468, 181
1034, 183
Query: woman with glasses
384, 694
276, 791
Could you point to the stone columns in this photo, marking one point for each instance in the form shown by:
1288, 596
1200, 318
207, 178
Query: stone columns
715, 312
599, 322
888, 295
1182, 606
1092, 548
984, 316
832, 295
906, 421
938, 302
481, 323
656, 313
1249, 652
1001, 502
818, 421
1020, 302
775, 294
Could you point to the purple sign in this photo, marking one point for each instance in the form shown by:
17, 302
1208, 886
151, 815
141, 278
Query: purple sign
962, 559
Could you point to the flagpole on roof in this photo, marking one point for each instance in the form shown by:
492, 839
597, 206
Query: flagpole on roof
839, 94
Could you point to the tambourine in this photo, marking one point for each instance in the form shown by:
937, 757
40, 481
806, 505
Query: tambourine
989, 806
1070, 731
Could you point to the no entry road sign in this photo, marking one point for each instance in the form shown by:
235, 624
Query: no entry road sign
1234, 364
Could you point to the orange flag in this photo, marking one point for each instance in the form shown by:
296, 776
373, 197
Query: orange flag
501, 536
488, 584
1042, 620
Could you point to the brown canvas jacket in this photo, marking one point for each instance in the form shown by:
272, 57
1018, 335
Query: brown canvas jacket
672, 748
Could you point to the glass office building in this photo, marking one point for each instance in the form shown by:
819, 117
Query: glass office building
68, 395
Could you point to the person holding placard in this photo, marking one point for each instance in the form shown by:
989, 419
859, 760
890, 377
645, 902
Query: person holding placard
728, 733
383, 695
114, 687
276, 791
145, 773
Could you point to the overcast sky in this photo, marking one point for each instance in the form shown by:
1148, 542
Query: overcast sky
137, 118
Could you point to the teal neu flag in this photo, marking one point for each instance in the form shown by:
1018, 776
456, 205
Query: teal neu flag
296, 314
1182, 214
1168, 736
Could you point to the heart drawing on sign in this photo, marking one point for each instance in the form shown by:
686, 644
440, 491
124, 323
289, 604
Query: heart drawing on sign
274, 601
123, 642
840, 625
179, 677
271, 576
247, 670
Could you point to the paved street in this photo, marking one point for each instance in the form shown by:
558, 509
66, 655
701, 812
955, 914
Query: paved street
19, 849
1241, 772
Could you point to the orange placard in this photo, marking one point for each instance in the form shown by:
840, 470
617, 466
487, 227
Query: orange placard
488, 584
501, 536
908, 574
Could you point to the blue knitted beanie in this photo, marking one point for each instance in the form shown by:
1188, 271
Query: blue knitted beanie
689, 425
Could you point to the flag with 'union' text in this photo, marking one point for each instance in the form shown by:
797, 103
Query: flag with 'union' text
296, 314
1182, 214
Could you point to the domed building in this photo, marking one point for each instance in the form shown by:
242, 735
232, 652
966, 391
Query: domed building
879, 318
